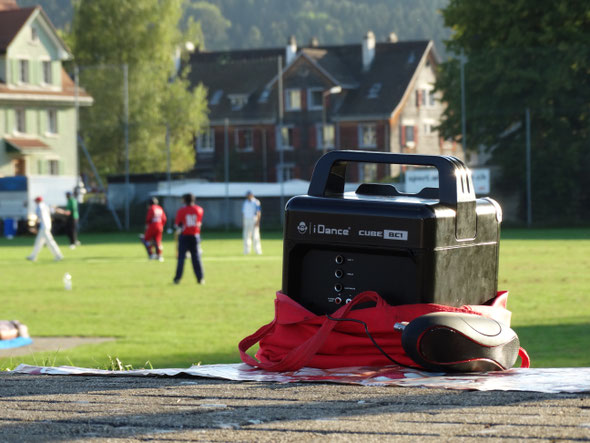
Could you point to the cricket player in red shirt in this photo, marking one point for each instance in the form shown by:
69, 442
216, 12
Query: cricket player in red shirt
189, 219
155, 221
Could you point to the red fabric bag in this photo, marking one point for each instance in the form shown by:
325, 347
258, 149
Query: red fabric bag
297, 337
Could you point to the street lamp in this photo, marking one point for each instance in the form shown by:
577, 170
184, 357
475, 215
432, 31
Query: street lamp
332, 90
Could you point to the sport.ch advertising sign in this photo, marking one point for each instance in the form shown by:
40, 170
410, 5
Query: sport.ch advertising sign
418, 179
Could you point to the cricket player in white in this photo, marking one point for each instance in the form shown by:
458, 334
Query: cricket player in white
44, 233
251, 223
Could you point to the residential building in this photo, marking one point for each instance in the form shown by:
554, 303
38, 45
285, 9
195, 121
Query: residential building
375, 96
37, 103
37, 97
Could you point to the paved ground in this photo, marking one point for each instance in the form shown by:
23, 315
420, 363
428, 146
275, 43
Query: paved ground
66, 408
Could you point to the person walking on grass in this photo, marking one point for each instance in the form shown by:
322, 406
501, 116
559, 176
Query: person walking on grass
251, 212
44, 235
154, 227
188, 221
73, 215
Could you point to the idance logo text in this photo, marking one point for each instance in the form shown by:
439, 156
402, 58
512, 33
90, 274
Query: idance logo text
325, 230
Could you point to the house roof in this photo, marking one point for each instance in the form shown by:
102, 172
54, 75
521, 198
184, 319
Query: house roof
11, 22
375, 92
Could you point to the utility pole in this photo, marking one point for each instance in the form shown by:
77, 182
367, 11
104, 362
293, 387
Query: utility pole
226, 169
280, 140
462, 60
529, 203
126, 135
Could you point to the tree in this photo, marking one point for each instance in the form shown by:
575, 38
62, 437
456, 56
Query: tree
523, 55
143, 35
214, 24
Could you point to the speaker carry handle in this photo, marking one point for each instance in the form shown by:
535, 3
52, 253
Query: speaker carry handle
455, 183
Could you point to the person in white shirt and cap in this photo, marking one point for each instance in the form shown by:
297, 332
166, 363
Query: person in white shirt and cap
44, 232
251, 213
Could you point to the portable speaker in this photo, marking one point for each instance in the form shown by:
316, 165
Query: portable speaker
437, 246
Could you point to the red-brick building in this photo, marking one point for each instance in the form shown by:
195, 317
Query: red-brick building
370, 96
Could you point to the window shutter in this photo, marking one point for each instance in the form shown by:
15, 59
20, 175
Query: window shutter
416, 136
15, 71
56, 73
296, 137
403, 136
417, 98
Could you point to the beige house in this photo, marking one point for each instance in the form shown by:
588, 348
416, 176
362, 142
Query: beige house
38, 102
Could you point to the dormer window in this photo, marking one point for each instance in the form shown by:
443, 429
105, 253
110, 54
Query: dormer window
293, 99
374, 91
238, 101
216, 97
264, 96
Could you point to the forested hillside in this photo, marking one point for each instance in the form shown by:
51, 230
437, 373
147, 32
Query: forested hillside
234, 24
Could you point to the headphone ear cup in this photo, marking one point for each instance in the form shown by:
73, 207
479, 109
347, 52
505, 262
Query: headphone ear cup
458, 342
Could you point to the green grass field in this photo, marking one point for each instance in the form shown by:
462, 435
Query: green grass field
118, 293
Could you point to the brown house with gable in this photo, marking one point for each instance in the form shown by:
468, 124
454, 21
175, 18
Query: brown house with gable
369, 96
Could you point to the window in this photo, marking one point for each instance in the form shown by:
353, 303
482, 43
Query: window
244, 140
34, 35
264, 96
20, 121
428, 126
368, 136
367, 172
53, 167
431, 99
206, 141
47, 74
374, 91
408, 136
325, 138
425, 97
23, 72
293, 99
286, 138
238, 101
285, 172
52, 121
316, 99
216, 97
